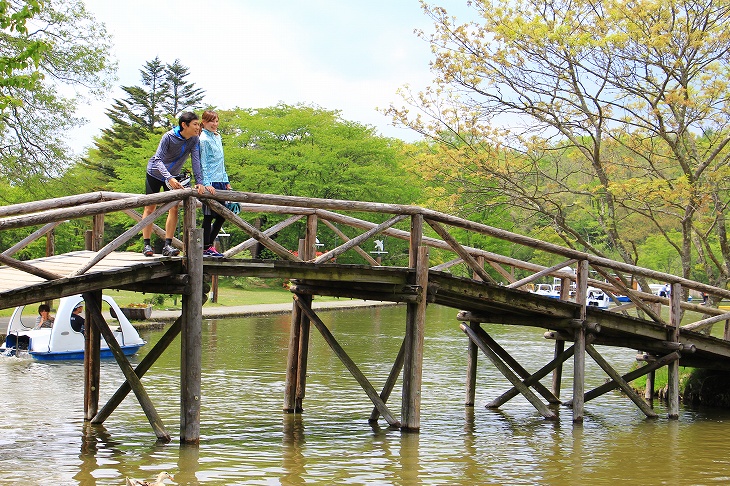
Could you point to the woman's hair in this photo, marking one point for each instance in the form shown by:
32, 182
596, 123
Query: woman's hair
44, 307
209, 115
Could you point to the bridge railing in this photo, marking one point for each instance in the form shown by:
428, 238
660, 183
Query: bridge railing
485, 265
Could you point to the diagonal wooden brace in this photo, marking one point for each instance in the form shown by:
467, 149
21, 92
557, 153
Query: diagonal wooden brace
509, 374
534, 378
347, 361
144, 400
517, 368
390, 382
140, 370
643, 406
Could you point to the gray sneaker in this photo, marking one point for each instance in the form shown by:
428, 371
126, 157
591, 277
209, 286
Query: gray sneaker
168, 250
148, 251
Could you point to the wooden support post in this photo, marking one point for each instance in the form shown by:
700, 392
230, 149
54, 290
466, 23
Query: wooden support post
649, 390
415, 320
307, 253
292, 362
558, 371
675, 317
94, 240
192, 329
579, 357
92, 363
471, 369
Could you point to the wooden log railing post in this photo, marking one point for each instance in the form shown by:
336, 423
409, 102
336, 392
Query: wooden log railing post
579, 357
307, 253
675, 317
415, 320
192, 328
93, 239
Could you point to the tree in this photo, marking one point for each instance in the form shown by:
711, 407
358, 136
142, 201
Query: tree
291, 150
615, 110
45, 46
183, 96
146, 109
144, 105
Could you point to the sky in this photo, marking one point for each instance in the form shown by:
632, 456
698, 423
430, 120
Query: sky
335, 54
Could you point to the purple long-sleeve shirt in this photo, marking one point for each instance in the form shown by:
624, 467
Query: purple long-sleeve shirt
172, 153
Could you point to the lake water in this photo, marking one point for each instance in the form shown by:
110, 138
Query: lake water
246, 439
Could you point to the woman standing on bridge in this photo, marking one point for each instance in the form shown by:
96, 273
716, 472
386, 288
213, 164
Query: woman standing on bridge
214, 177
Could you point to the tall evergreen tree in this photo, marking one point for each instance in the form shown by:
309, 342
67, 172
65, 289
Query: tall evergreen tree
147, 108
182, 95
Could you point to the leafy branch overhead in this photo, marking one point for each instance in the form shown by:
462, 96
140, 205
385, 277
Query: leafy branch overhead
601, 123
44, 47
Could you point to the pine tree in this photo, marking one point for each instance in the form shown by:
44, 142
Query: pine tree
182, 95
148, 108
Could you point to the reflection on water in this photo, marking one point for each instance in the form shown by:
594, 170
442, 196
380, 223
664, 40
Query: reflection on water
247, 439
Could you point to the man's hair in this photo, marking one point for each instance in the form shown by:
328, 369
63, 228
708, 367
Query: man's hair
209, 115
44, 307
187, 117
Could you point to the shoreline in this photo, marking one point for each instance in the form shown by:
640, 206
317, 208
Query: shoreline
160, 318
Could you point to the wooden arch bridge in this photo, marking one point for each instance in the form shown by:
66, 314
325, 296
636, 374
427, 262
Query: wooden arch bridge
492, 293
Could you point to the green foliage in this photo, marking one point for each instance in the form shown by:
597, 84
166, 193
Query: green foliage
19, 54
67, 48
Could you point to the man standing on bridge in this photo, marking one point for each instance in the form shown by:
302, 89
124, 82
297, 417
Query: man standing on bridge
164, 167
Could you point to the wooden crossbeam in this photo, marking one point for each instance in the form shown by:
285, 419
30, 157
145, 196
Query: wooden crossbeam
461, 251
349, 364
160, 232
359, 239
541, 273
346, 238
618, 379
271, 231
509, 374
153, 417
258, 235
142, 368
631, 295
31, 238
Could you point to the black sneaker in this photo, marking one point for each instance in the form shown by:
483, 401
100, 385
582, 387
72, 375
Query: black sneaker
148, 251
168, 250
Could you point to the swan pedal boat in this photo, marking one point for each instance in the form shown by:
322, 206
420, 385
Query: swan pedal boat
61, 342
